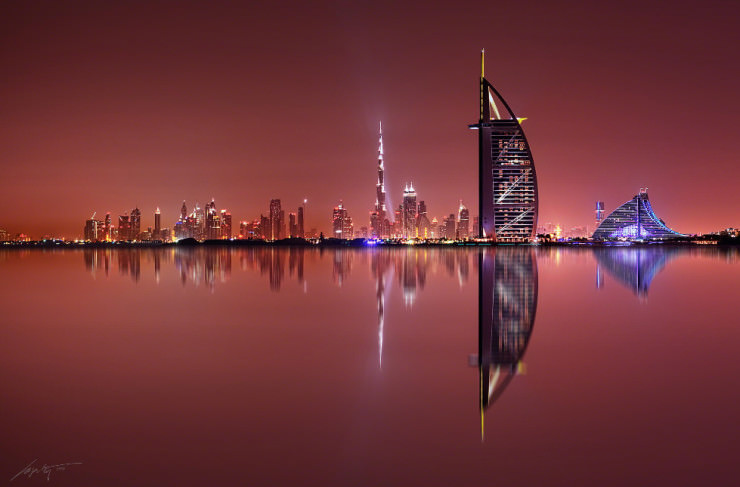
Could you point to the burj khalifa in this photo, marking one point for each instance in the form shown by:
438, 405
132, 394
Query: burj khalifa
379, 224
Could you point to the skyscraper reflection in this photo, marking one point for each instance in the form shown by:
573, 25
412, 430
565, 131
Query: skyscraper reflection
342, 260
212, 265
507, 300
382, 269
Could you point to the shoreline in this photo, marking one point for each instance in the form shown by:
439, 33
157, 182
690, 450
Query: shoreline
356, 243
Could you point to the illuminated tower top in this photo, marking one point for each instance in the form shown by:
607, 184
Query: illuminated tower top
380, 186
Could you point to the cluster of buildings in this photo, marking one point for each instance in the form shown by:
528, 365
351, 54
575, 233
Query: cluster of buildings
203, 223
508, 203
274, 226
128, 228
207, 223
555, 231
410, 219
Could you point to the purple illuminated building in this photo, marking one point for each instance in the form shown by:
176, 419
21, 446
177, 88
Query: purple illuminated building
634, 220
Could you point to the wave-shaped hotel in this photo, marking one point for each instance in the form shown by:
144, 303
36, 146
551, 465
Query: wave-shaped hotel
635, 220
508, 183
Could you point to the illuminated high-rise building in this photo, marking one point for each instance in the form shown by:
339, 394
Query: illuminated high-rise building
157, 234
421, 208
301, 230
463, 222
211, 207
213, 221
423, 226
197, 222
292, 225
434, 228
508, 198
93, 230
181, 225
265, 228
124, 227
450, 224
599, 213
225, 224
447, 229
107, 228
341, 223
135, 220
378, 218
275, 220
409, 210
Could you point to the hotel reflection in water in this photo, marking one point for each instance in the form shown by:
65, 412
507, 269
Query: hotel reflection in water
507, 303
507, 283
507, 295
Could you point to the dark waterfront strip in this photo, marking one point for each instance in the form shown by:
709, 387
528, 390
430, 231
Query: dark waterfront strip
361, 243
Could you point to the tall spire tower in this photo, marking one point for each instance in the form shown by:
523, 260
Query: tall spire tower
378, 217
380, 187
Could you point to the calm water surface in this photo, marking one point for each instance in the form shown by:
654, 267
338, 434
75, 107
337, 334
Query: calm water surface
260, 366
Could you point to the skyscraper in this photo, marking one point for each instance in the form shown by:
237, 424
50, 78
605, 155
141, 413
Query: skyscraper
93, 230
275, 220
463, 220
423, 226
434, 228
213, 221
157, 225
211, 207
409, 211
197, 222
378, 218
450, 227
599, 213
397, 227
341, 223
124, 227
225, 224
507, 181
108, 227
265, 228
292, 225
301, 230
135, 220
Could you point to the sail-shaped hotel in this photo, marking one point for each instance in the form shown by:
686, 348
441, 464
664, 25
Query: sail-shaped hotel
507, 180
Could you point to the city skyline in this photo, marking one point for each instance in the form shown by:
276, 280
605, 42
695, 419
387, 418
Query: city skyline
96, 121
